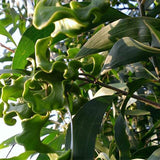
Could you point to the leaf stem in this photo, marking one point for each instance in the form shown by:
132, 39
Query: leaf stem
141, 99
11, 50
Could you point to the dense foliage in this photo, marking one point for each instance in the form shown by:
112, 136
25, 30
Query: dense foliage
92, 64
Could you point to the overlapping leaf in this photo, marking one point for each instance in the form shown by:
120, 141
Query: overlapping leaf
14, 90
74, 19
122, 138
130, 27
26, 46
30, 137
4, 32
126, 51
90, 117
42, 103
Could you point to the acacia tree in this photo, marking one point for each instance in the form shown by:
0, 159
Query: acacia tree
96, 66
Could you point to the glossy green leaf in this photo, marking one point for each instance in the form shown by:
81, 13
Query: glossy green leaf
22, 110
23, 156
43, 103
122, 138
126, 51
4, 32
72, 52
86, 125
130, 27
26, 46
41, 51
14, 90
74, 19
30, 137
155, 155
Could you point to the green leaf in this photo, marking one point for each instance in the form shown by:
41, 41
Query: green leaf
130, 27
26, 46
14, 90
8, 142
4, 32
16, 71
72, 52
155, 35
23, 156
155, 155
43, 156
86, 125
1, 109
97, 64
126, 51
122, 138
145, 152
137, 112
41, 53
30, 137
58, 142
54, 11
74, 19
72, 71
22, 110
65, 156
55, 99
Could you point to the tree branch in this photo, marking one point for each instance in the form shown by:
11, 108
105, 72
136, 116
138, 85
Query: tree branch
121, 92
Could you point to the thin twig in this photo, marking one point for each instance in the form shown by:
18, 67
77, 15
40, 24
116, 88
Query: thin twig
11, 50
141, 7
141, 99
10, 150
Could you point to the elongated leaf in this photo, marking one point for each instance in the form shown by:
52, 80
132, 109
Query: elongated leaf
26, 46
86, 125
122, 138
8, 142
41, 51
4, 32
23, 156
108, 35
155, 155
126, 51
30, 137
137, 112
155, 35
